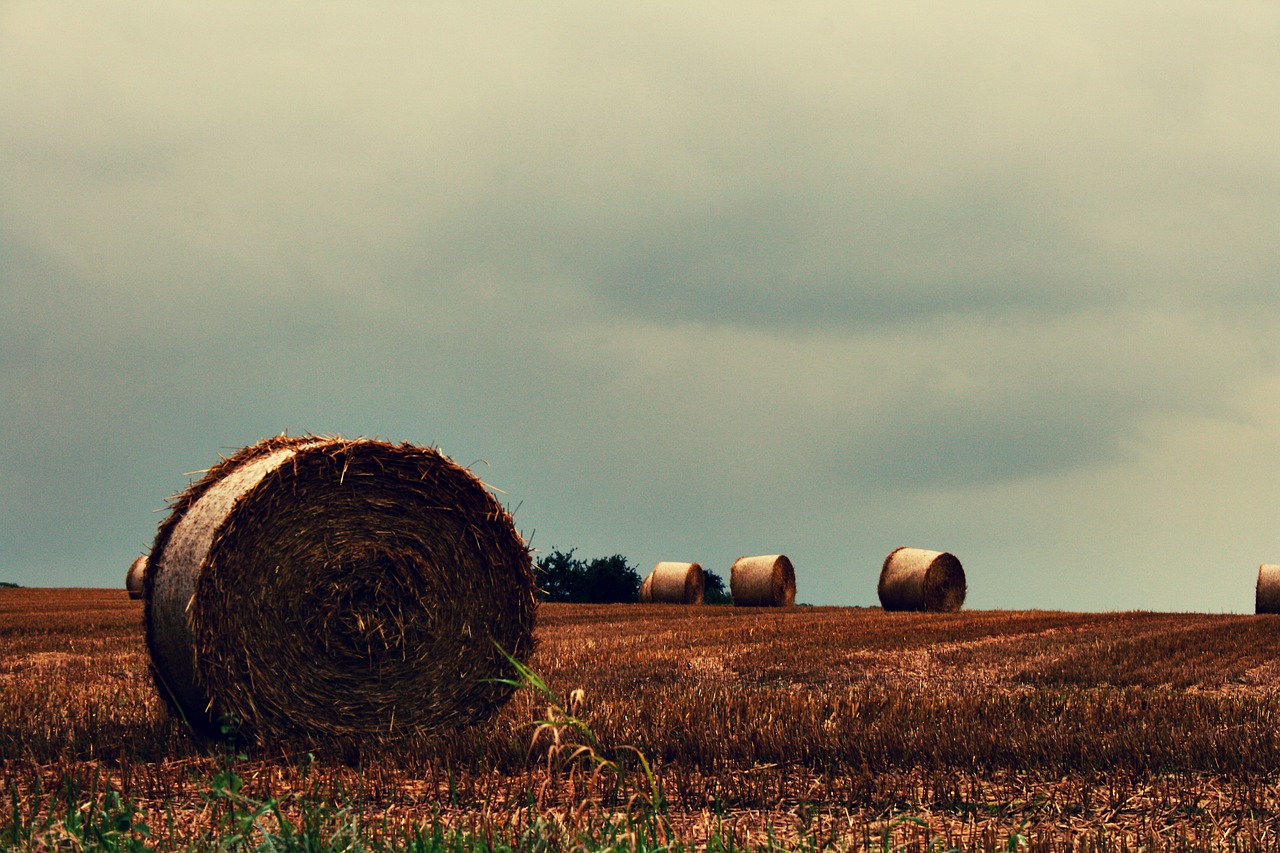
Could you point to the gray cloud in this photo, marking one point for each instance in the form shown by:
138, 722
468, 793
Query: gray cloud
817, 281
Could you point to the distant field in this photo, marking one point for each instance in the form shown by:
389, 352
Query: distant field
843, 724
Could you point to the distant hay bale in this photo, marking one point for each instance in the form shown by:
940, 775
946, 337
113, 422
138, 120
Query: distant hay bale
915, 579
674, 583
768, 581
1268, 593
321, 587
135, 577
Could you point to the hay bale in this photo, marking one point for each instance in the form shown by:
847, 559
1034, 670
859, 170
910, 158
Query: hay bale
321, 587
646, 589
915, 579
674, 583
1267, 595
134, 578
768, 581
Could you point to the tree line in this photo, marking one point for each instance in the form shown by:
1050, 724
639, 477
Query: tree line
562, 576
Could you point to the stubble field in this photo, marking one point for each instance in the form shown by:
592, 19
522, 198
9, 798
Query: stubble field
843, 727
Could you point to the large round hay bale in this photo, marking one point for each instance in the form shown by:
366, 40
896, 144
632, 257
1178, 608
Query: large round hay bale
323, 587
916, 579
136, 576
768, 581
674, 583
1267, 598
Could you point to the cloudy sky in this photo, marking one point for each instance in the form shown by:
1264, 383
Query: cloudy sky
685, 281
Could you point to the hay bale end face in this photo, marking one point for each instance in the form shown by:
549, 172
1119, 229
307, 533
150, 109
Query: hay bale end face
321, 587
674, 583
768, 581
916, 579
135, 578
1267, 595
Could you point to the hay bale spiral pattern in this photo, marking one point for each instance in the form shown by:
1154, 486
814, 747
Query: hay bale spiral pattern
1267, 595
767, 581
674, 583
916, 579
323, 587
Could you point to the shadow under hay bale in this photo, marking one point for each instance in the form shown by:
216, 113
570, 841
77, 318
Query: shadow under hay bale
916, 579
768, 581
320, 587
1267, 595
135, 578
674, 583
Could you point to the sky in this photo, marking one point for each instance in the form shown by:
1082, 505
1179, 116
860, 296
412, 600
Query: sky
684, 281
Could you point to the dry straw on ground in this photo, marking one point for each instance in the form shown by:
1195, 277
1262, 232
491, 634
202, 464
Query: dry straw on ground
318, 586
135, 577
1267, 598
916, 579
674, 583
768, 581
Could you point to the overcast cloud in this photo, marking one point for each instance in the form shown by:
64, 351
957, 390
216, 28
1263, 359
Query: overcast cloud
685, 283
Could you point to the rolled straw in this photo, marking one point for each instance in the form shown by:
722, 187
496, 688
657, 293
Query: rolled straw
646, 589
768, 581
674, 583
319, 586
915, 579
1267, 595
135, 577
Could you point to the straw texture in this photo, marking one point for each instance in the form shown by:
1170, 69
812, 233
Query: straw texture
322, 587
915, 579
674, 583
768, 581
1268, 593
134, 578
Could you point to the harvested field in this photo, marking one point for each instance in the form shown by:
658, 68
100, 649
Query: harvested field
848, 725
